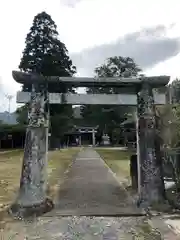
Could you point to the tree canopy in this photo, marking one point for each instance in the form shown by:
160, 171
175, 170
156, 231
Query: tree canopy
109, 117
46, 55
170, 115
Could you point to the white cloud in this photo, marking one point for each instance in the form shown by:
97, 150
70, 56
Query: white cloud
168, 67
84, 24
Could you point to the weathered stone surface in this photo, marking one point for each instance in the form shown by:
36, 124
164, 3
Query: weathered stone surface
30, 78
32, 183
93, 99
32, 192
152, 187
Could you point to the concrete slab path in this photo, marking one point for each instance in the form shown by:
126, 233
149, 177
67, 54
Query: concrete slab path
90, 188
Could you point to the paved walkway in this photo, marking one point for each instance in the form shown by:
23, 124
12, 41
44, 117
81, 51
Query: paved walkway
89, 188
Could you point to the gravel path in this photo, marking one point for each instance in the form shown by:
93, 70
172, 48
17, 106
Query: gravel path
74, 228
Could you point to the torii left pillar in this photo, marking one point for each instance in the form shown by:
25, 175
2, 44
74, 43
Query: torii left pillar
32, 198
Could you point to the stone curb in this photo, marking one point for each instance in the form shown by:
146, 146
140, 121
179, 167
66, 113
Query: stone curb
174, 229
171, 225
166, 230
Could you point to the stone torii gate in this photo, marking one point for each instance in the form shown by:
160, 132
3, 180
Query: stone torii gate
137, 91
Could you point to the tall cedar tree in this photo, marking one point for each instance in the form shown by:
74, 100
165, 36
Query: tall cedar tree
45, 54
109, 117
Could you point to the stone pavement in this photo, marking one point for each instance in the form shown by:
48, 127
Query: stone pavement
90, 188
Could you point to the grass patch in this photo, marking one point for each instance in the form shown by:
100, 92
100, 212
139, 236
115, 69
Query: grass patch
58, 163
118, 161
10, 171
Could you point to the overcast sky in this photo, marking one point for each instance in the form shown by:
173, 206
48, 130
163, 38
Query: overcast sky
92, 31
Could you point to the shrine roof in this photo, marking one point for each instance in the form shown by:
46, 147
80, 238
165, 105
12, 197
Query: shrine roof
129, 121
133, 82
86, 127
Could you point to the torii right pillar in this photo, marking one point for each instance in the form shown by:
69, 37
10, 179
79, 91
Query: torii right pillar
151, 185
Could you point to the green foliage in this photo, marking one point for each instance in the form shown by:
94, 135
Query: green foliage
109, 117
13, 128
46, 55
169, 116
61, 122
118, 67
175, 122
175, 90
6, 129
22, 115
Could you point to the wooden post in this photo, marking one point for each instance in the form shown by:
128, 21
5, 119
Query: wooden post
32, 193
152, 186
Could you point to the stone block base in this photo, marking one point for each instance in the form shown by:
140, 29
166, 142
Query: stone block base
20, 212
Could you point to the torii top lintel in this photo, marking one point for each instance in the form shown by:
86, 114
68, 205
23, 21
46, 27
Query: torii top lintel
29, 78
